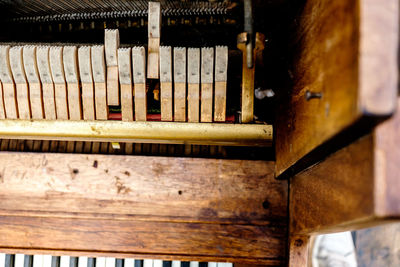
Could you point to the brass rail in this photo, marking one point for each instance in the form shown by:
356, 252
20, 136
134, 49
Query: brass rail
141, 132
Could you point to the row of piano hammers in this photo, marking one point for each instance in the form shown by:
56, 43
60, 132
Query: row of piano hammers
80, 82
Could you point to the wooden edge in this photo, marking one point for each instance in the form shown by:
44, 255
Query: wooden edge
163, 132
299, 247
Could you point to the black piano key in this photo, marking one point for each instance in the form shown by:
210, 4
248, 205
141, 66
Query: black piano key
55, 261
167, 263
138, 263
185, 264
119, 263
28, 261
73, 262
91, 262
10, 259
203, 264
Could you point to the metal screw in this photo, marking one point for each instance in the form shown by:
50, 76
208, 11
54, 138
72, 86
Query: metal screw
311, 95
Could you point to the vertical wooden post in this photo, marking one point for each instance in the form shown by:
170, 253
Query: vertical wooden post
221, 78
57, 69
70, 60
154, 29
99, 77
9, 94
111, 44
207, 79
125, 75
139, 79
85, 71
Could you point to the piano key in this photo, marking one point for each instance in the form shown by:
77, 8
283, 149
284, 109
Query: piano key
32, 75
139, 80
83, 262
91, 262
157, 263
147, 263
43, 64
221, 77
125, 74
10, 98
55, 261
99, 77
64, 261
203, 264
60, 88
73, 262
21, 85
193, 84
194, 264
19, 260
212, 264
207, 71
38, 261
129, 262
70, 61
85, 71
224, 264
111, 44
185, 264
2, 259
176, 264
154, 28
167, 264
166, 83
179, 84
47, 260
9, 260
110, 262
138, 263
119, 263
101, 262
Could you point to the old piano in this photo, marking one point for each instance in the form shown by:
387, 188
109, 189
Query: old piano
193, 133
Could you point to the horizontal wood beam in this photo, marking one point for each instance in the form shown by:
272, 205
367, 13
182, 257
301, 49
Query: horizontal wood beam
140, 132
109, 204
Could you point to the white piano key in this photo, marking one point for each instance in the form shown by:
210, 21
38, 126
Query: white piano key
101, 262
224, 264
129, 262
194, 264
19, 260
212, 264
177, 264
82, 261
147, 263
157, 263
2, 259
38, 261
46, 260
110, 262
64, 261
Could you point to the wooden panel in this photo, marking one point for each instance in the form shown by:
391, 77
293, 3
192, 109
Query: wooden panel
358, 185
165, 206
344, 72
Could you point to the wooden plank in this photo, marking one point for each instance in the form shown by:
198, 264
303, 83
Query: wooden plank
21, 85
86, 76
125, 74
245, 218
10, 99
99, 77
60, 88
221, 78
166, 83
154, 33
180, 84
70, 60
362, 190
139, 79
111, 45
2, 111
35, 86
193, 84
207, 79
43, 62
331, 96
299, 247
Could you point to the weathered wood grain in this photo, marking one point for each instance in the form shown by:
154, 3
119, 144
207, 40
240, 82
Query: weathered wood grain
201, 208
344, 71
